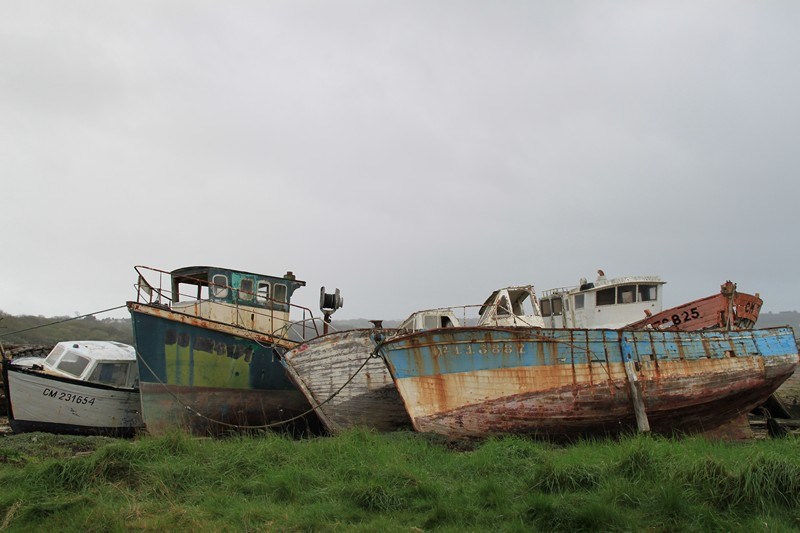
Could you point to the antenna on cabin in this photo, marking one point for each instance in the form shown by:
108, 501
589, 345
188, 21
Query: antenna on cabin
328, 304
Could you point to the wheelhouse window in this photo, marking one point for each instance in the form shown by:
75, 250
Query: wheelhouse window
262, 293
626, 294
246, 289
220, 283
431, 322
579, 301
73, 364
503, 307
648, 293
557, 309
115, 374
280, 292
546, 308
606, 296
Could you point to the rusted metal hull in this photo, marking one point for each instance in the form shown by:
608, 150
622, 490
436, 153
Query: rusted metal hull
739, 310
209, 378
329, 372
555, 383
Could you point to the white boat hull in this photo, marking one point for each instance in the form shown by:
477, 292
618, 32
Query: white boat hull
41, 402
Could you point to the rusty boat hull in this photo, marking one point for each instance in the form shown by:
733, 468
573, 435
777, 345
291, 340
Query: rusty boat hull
211, 378
473, 382
346, 384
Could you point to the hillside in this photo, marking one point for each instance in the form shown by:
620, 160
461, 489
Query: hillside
26, 329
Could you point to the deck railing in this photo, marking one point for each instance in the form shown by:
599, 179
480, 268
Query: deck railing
154, 287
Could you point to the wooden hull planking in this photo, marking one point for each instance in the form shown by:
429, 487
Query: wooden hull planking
475, 382
40, 402
321, 369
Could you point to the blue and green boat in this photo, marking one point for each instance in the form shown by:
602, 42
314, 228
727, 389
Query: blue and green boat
208, 343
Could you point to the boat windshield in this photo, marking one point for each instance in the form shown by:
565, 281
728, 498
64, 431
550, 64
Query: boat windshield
115, 374
73, 363
52, 358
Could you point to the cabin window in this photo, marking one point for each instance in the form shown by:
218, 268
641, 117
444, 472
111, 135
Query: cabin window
557, 310
115, 374
220, 283
503, 307
262, 294
447, 322
626, 294
606, 296
546, 311
648, 293
280, 292
246, 289
522, 304
579, 301
54, 355
431, 322
73, 364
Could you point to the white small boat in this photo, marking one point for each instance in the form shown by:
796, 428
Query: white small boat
81, 387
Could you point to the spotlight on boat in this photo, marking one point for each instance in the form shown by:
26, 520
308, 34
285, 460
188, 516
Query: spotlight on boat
328, 304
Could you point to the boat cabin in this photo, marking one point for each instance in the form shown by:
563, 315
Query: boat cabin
256, 301
605, 303
430, 319
512, 306
105, 363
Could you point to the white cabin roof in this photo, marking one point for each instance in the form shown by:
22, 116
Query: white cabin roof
602, 282
100, 350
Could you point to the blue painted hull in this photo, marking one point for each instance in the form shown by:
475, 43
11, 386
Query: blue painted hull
474, 382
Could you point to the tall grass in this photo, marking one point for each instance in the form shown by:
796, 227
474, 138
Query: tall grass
362, 481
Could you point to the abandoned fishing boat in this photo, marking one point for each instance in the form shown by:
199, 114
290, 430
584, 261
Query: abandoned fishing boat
81, 387
476, 381
347, 385
728, 309
604, 303
350, 387
208, 344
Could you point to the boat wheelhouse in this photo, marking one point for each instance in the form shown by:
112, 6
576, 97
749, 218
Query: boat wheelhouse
81, 387
604, 303
208, 342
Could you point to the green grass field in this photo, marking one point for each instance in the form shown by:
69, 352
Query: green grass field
363, 481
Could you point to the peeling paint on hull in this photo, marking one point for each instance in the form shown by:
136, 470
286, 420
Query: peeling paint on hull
205, 378
474, 382
326, 369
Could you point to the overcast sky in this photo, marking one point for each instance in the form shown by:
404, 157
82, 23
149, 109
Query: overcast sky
414, 154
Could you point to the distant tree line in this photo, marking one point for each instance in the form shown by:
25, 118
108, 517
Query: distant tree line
784, 318
42, 330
